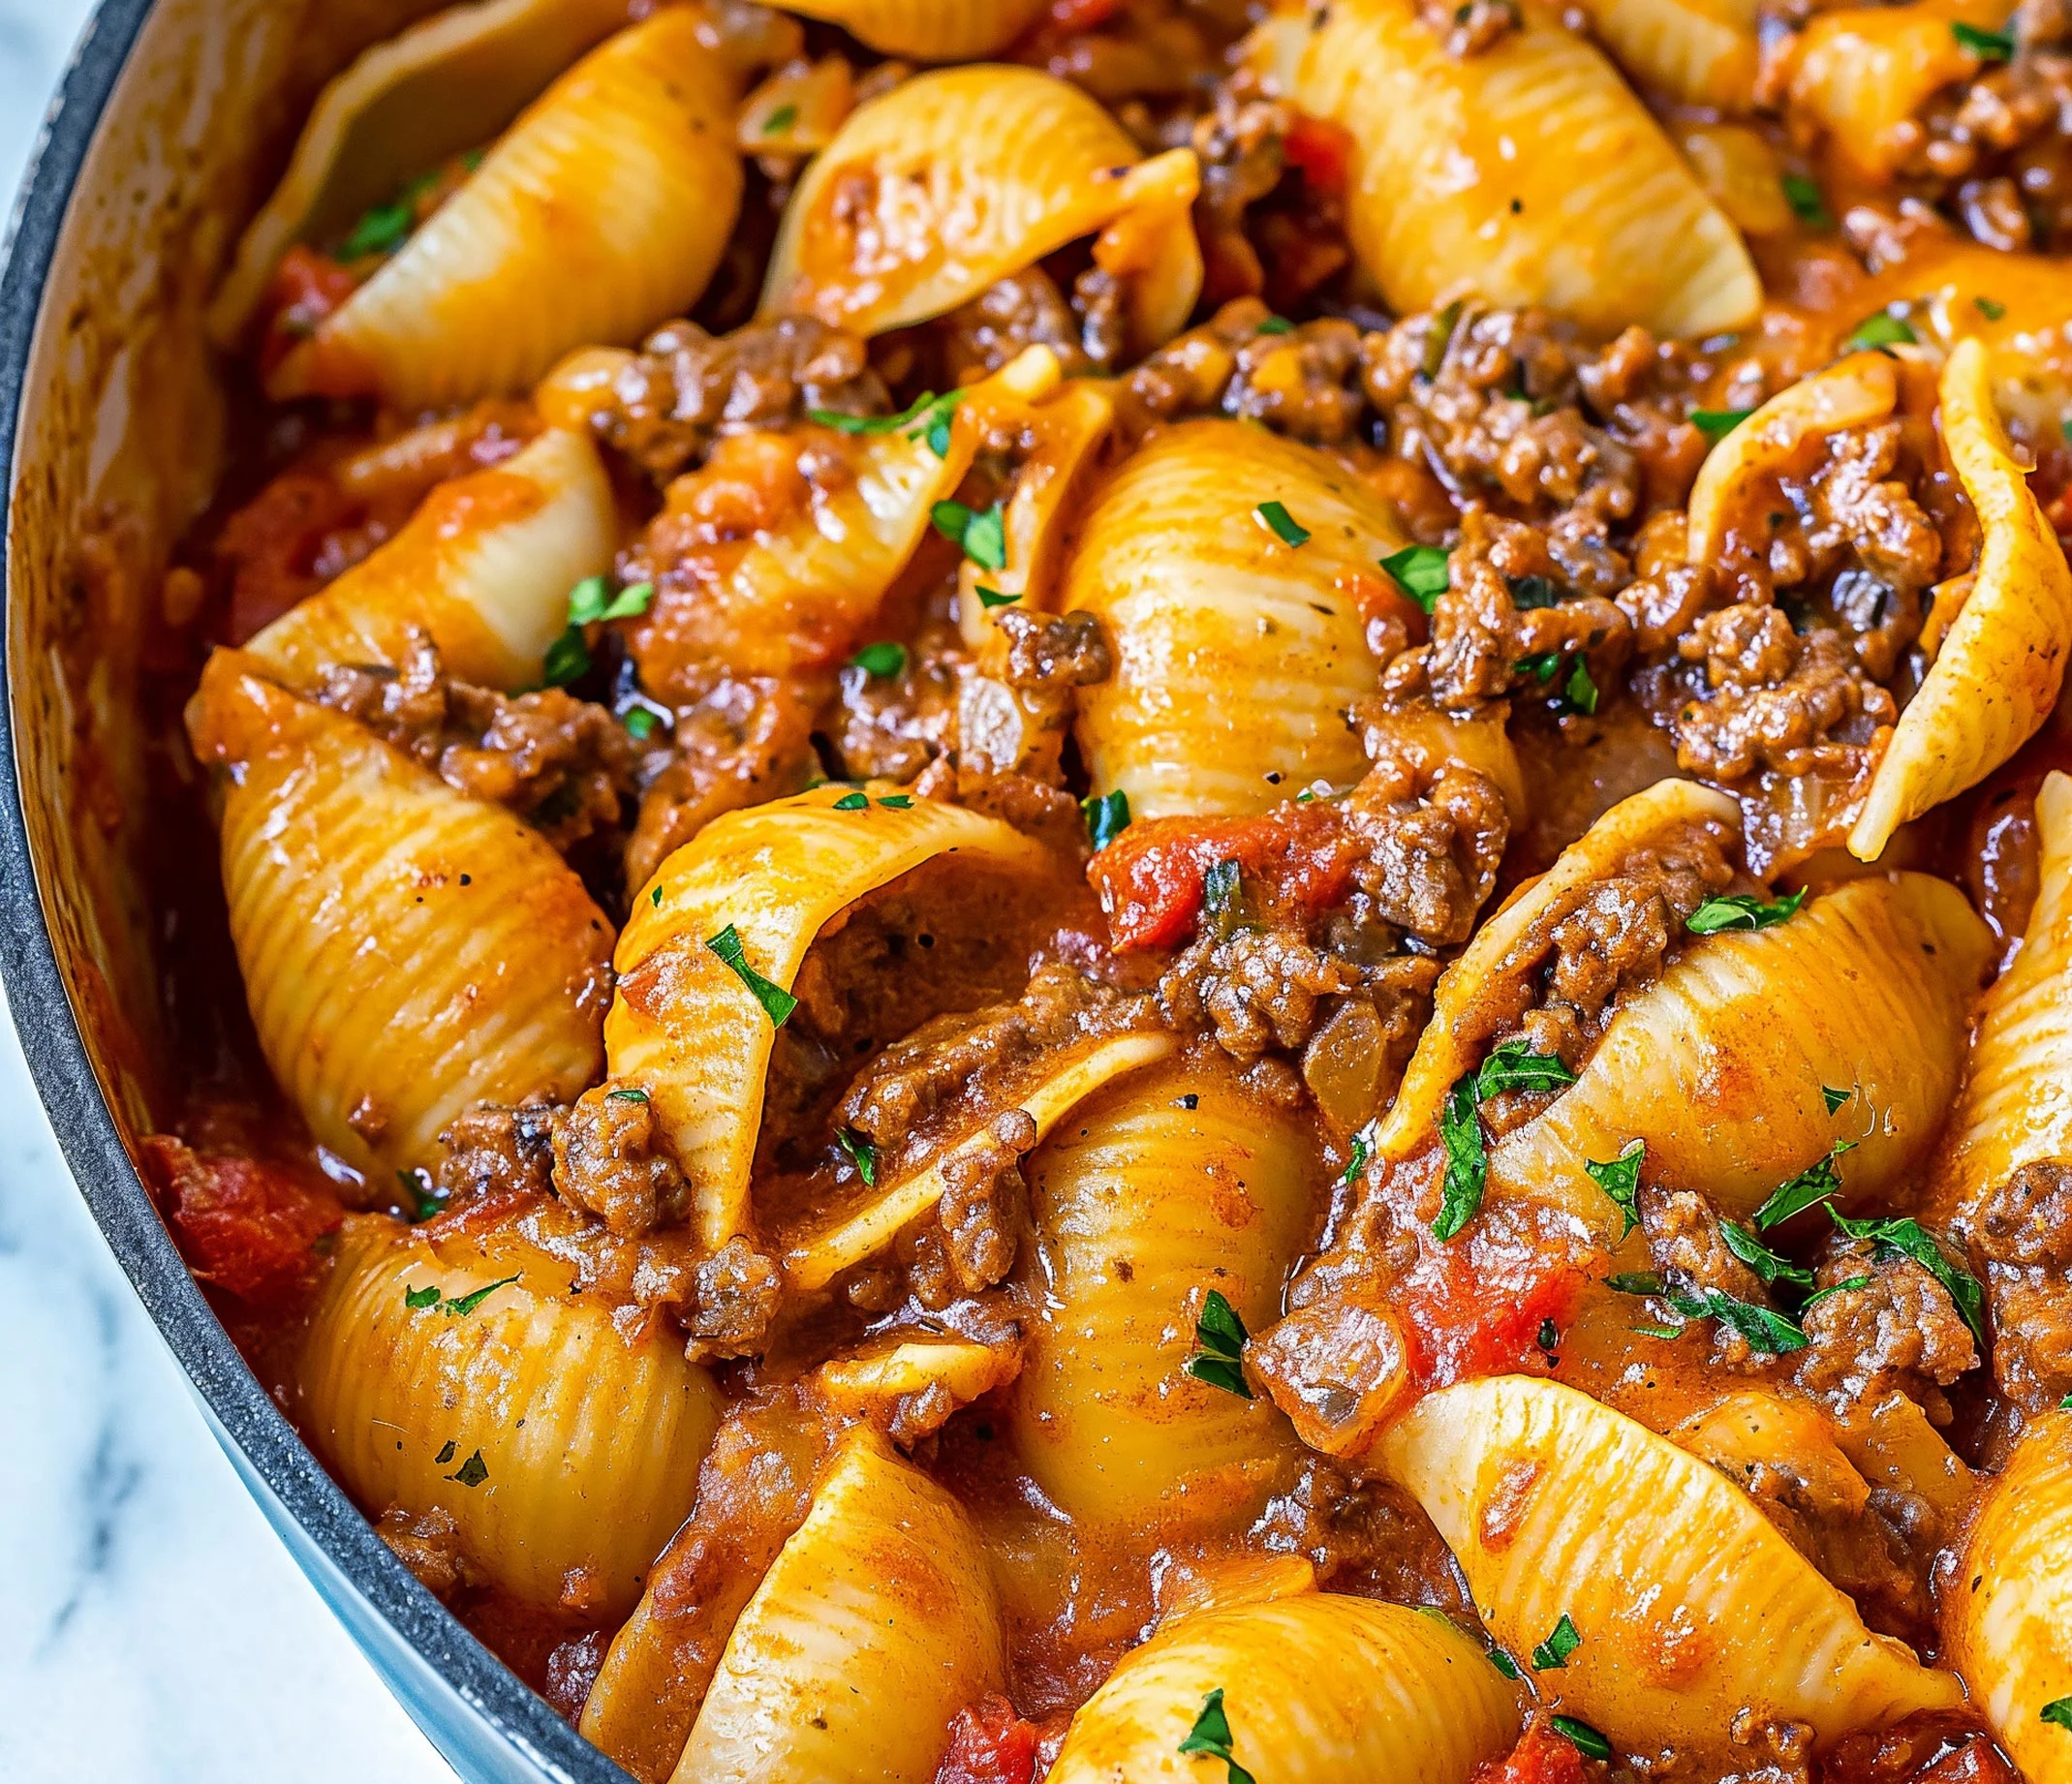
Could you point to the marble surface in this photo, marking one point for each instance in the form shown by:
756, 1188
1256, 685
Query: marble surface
151, 1626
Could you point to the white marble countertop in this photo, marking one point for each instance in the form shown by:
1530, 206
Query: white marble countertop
153, 1628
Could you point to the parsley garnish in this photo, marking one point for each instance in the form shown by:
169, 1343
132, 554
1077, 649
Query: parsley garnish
465, 1305
1515, 1067
1637, 1282
1106, 817
1990, 311
1554, 1651
777, 1002
1530, 592
1987, 45
861, 1153
1880, 328
1833, 1288
626, 1093
1715, 424
1806, 199
1766, 1264
882, 660
854, 802
387, 226
425, 1296
1741, 910
1460, 1129
993, 597
2058, 1712
1210, 1734
1438, 336
1620, 1178
897, 802
1548, 1337
1221, 1337
980, 534
1281, 524
1275, 325
1906, 1237
566, 660
641, 723
783, 118
1363, 1149
1835, 1098
424, 1201
1764, 1331
473, 1473
1219, 890
1815, 1184
654, 897
923, 416
1420, 571
1669, 1334
1502, 1662
1580, 696
446, 1452
1540, 666
592, 599
1588, 1742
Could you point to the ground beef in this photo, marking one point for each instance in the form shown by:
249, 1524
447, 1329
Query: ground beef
1900, 1330
738, 1291
685, 388
428, 1544
560, 762
1686, 1242
2023, 1236
1298, 380
890, 727
493, 1151
1933, 1746
1262, 989
1044, 810
571, 1668
608, 1161
1241, 146
982, 1216
1024, 310
1430, 845
1055, 650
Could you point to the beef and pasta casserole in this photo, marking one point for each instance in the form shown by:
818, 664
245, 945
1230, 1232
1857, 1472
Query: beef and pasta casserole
1123, 889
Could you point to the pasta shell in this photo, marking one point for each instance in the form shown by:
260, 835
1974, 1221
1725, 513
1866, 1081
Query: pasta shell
1702, 51
876, 1623
929, 30
2017, 1104
2000, 667
407, 952
565, 1448
1143, 1205
447, 84
2010, 1602
604, 210
821, 1256
1318, 1689
1528, 174
483, 568
1237, 654
690, 1030
1690, 1605
1740, 172
954, 180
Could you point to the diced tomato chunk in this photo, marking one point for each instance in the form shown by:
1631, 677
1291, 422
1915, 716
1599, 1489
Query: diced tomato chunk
1150, 877
245, 1227
1321, 151
1541, 1757
307, 287
1083, 14
989, 1744
272, 544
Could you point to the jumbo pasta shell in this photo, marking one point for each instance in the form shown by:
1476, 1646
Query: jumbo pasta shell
2000, 667
1528, 174
1318, 1689
1161, 1189
564, 1447
484, 568
954, 180
1701, 52
407, 951
689, 1028
2009, 1616
1237, 654
875, 1624
929, 30
1690, 1605
604, 209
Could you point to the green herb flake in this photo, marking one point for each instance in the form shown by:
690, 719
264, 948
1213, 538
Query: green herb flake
993, 597
626, 1093
1275, 325
1106, 817
1220, 1337
419, 1197
1668, 1334
918, 417
854, 802
1554, 1651
654, 897
980, 534
1906, 1237
1766, 1265
1363, 1149
464, 1304
1548, 1337
897, 802
473, 1473
1834, 1098
1580, 696
1715, 424
566, 660
1990, 311
1637, 1282
1540, 666
1815, 1184
1460, 1130
1421, 572
881, 660
1210, 1734
425, 1296
781, 120
1808, 203
1764, 1331
861, 1153
639, 724
2058, 1712
1987, 45
1531, 593
1284, 526
777, 1002
1833, 1288
446, 1452
1620, 1178
1880, 328
381, 231
1438, 336
593, 598
1742, 910
1515, 1067
1584, 1739
1503, 1663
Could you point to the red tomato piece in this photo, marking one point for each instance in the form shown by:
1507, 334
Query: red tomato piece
245, 1227
1321, 151
1541, 1757
989, 1744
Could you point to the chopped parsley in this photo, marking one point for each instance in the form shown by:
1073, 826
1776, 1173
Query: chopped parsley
422, 1199
626, 1093
593, 598
2058, 1712
1987, 45
446, 1452
1768, 1266
897, 802
385, 227
783, 118
1742, 910
777, 1002
1284, 526
1210, 1734
1219, 890
1540, 666
425, 1296
1815, 1184
1880, 328
1586, 1739
1548, 1337
882, 660
1637, 1282
464, 1304
473, 1473
1580, 694
1833, 1288
1715, 424
1903, 1236
993, 597
1620, 1178
654, 897
854, 802
923, 416
1554, 1651
641, 723
1438, 336
980, 534
1220, 1337
1106, 817
1532, 592
1808, 203
567, 659
1363, 1149
1765, 1329
1515, 1067
1990, 311
861, 1153
1834, 1098
1275, 325
1460, 1130
1668, 1334
1420, 571
1502, 1662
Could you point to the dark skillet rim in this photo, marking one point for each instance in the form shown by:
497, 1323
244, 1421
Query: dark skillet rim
457, 1689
